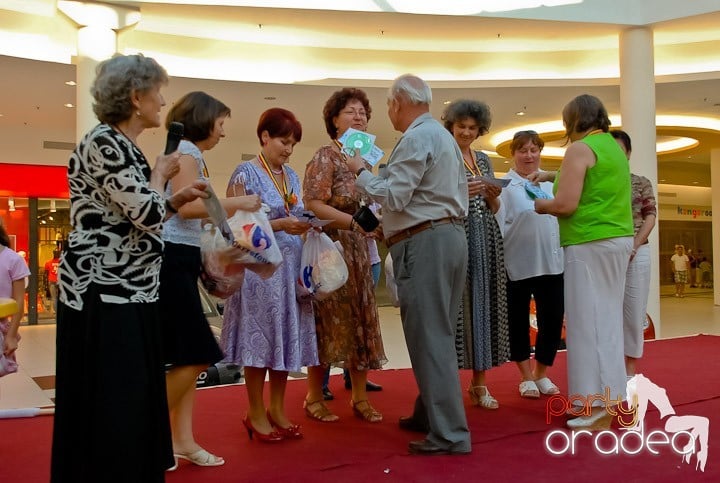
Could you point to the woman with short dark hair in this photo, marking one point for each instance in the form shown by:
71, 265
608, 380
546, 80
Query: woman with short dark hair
348, 326
189, 344
534, 263
482, 330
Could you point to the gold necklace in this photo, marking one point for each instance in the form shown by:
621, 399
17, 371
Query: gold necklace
471, 166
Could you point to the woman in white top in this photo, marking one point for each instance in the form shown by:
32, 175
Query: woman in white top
534, 263
189, 345
13, 275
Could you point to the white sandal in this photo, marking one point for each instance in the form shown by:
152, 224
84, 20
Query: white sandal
480, 396
529, 390
546, 386
201, 458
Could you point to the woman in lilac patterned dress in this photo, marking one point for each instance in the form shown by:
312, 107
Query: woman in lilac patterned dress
266, 329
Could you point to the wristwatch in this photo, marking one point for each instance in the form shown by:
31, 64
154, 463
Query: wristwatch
168, 207
357, 173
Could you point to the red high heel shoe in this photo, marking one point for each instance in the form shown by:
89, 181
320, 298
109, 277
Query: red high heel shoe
291, 432
272, 437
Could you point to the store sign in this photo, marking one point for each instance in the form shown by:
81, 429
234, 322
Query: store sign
685, 213
33, 181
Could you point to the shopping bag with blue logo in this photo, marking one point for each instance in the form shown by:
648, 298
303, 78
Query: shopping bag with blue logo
254, 237
322, 269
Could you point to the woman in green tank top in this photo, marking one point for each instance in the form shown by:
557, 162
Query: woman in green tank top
593, 206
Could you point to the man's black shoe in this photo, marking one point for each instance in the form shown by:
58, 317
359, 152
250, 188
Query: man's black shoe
425, 447
408, 423
369, 385
372, 387
327, 394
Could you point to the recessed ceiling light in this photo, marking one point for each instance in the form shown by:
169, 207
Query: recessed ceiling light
520, 113
506, 162
70, 83
695, 182
662, 180
447, 102
68, 105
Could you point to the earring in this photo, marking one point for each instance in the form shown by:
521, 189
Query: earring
137, 113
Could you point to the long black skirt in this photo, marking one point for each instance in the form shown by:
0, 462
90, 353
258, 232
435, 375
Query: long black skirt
111, 415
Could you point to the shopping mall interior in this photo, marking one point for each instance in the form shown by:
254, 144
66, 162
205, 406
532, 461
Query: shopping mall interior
654, 64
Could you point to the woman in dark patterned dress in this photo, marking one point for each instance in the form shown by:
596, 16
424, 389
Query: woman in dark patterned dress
348, 327
483, 340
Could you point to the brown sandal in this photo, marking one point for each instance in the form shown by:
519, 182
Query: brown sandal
318, 410
368, 413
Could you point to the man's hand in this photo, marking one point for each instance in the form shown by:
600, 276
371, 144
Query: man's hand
355, 162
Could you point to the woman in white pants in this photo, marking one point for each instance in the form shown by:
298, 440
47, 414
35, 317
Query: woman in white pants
592, 203
637, 282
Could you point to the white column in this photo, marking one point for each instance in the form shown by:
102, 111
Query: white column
715, 181
637, 108
96, 41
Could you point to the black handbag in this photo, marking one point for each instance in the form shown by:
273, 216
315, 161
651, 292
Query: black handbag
366, 219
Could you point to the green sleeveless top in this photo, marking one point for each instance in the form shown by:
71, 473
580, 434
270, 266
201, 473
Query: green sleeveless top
604, 210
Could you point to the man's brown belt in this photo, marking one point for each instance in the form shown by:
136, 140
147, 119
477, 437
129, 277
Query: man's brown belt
414, 230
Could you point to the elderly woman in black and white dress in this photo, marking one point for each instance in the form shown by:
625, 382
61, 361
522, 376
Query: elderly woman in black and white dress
111, 415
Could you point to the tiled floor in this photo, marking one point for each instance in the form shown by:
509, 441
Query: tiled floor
36, 356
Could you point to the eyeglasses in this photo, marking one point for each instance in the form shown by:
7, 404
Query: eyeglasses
354, 112
529, 132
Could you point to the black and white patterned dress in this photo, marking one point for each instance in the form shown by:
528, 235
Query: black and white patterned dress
483, 337
111, 415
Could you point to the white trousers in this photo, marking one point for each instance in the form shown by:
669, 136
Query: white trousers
637, 286
594, 285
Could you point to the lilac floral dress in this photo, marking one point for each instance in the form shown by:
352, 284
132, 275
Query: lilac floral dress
264, 325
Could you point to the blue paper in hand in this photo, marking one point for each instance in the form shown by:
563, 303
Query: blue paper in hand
535, 192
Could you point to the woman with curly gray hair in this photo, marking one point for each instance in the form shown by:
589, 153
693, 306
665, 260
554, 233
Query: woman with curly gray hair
111, 415
482, 340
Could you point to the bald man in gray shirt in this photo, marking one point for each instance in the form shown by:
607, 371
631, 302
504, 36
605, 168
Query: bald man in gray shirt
423, 193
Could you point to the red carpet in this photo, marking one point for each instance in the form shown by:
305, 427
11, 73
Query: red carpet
508, 444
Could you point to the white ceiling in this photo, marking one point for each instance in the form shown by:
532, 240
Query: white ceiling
436, 47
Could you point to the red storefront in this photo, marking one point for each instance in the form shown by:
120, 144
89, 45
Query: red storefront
35, 210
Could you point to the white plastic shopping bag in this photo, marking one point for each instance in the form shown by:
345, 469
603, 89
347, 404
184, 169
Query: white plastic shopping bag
390, 284
254, 236
222, 273
322, 269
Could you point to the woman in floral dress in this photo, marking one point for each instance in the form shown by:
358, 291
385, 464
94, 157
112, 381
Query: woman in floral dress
348, 328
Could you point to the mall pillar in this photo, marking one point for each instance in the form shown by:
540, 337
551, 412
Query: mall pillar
715, 181
637, 108
98, 24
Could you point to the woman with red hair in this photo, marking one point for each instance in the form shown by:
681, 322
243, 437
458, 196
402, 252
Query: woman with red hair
266, 328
